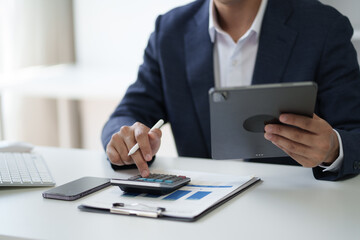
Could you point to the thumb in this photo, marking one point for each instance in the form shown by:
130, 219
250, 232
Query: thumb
155, 140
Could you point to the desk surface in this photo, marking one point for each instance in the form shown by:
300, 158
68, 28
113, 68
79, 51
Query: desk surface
288, 204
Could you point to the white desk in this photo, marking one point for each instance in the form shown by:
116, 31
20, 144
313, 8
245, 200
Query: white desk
288, 204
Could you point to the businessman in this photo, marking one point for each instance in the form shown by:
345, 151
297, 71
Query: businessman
241, 42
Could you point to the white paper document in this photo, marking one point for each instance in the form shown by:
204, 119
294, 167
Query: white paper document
204, 191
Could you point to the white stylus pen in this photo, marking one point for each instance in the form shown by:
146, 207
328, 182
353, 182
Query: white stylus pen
136, 146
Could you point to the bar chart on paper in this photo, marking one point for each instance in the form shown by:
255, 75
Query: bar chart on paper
197, 194
204, 190
187, 201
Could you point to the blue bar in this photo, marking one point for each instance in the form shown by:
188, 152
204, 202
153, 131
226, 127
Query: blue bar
176, 195
198, 195
149, 195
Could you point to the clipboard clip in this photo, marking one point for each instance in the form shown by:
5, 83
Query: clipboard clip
137, 209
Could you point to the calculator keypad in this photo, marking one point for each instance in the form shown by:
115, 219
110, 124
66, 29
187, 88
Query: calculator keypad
154, 183
159, 178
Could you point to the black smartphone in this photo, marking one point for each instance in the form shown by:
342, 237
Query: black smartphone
77, 188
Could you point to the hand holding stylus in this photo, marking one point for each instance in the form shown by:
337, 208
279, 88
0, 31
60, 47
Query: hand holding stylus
135, 137
136, 146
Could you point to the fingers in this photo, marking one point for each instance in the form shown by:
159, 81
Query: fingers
302, 160
155, 139
289, 145
113, 155
295, 134
298, 152
137, 133
149, 143
122, 141
303, 122
141, 164
116, 151
309, 141
142, 138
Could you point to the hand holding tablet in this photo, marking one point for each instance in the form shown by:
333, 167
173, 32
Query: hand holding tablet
238, 116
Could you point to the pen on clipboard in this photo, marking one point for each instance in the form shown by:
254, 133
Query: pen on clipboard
136, 146
137, 209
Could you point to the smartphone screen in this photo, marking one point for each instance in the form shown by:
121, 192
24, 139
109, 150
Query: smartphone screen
77, 188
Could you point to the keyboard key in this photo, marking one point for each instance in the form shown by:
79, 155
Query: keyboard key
26, 180
7, 181
16, 180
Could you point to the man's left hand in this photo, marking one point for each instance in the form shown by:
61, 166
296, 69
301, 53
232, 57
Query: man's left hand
309, 141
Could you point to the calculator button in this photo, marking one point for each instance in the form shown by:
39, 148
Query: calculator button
174, 179
149, 180
158, 176
135, 177
169, 181
167, 177
159, 180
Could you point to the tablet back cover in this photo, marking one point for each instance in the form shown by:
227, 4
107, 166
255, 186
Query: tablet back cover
238, 116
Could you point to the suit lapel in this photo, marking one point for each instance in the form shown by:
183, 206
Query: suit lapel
199, 67
275, 45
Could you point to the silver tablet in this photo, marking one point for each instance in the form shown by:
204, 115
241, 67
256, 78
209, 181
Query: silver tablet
238, 116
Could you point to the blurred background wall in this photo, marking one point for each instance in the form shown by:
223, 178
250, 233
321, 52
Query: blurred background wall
65, 65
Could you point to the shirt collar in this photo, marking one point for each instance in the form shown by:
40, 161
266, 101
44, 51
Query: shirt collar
255, 27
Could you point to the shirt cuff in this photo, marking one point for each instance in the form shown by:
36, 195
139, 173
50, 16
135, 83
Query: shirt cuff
335, 166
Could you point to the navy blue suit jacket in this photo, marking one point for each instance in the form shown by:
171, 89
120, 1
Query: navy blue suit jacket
301, 40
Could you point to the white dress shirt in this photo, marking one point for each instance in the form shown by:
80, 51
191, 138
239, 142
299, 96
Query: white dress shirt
234, 62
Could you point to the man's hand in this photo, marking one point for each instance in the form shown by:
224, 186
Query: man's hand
311, 142
121, 142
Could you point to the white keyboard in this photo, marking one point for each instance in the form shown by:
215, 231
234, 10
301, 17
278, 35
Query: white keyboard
25, 170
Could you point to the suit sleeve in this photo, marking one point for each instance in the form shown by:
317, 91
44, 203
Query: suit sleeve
339, 96
143, 101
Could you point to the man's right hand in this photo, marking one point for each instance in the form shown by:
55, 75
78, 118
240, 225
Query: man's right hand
121, 142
